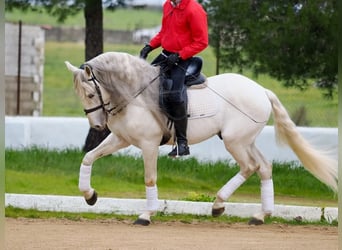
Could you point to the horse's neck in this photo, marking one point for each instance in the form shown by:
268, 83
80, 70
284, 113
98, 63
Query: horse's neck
149, 97
141, 89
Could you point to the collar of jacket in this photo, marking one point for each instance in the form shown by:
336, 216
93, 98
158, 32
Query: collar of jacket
181, 5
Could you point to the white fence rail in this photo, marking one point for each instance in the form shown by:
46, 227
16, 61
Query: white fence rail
65, 132
77, 204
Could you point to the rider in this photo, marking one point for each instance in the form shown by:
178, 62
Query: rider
183, 34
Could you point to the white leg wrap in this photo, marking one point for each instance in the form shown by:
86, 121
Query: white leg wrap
152, 198
229, 188
267, 196
84, 178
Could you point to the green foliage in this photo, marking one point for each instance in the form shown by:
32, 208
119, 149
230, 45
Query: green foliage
226, 36
296, 46
40, 171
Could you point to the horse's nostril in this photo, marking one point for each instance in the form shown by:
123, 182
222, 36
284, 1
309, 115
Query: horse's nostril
98, 127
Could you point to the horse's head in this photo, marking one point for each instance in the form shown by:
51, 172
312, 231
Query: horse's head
93, 96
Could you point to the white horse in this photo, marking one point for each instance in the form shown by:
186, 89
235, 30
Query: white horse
122, 91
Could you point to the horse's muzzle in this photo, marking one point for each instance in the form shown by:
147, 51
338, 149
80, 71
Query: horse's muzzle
99, 127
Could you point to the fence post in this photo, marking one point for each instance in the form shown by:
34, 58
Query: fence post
19, 68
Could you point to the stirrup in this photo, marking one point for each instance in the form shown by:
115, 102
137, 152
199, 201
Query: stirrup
180, 150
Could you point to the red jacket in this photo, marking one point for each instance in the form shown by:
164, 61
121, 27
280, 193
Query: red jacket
184, 29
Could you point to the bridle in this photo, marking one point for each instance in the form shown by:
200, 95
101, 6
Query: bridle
116, 109
99, 94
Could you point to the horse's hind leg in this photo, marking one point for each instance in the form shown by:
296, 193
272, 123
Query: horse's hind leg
109, 145
248, 165
225, 192
266, 190
250, 161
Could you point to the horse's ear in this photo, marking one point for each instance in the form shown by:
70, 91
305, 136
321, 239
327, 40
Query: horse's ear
70, 67
87, 70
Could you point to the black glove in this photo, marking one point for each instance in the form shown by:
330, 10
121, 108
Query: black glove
144, 52
172, 59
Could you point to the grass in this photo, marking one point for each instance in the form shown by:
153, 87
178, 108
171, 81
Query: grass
120, 19
159, 217
38, 171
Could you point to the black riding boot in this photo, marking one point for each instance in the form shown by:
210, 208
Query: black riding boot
180, 119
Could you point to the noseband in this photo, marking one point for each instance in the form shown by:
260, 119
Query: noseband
98, 92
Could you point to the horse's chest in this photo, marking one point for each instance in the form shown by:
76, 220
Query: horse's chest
133, 124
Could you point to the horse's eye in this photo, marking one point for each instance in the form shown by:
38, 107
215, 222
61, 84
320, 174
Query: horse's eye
91, 96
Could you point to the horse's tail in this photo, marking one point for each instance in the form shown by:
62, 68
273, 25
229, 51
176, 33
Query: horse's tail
317, 162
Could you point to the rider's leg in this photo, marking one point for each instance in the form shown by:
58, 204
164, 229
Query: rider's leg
178, 101
179, 112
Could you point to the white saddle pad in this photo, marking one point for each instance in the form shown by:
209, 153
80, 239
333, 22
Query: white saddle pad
202, 103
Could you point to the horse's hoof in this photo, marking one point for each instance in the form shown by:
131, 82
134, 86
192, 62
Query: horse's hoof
255, 221
92, 199
142, 222
217, 212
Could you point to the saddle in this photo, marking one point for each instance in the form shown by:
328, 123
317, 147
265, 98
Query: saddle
193, 79
193, 75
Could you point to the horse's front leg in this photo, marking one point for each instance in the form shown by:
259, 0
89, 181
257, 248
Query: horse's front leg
150, 156
111, 144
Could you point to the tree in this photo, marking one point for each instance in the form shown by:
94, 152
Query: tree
94, 46
93, 28
293, 41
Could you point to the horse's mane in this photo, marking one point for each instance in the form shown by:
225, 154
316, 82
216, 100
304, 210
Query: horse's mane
129, 80
124, 75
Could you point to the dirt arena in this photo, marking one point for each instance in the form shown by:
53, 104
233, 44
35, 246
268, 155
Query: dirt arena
26, 234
